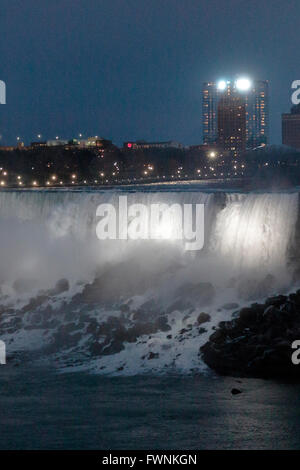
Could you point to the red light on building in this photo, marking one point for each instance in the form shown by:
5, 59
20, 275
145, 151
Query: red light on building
129, 145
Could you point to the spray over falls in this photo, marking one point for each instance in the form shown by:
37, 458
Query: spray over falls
135, 306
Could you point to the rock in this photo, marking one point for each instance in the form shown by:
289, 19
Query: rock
257, 342
124, 308
247, 315
181, 305
93, 327
235, 391
184, 330
61, 286
276, 301
96, 349
259, 308
230, 306
218, 336
270, 312
34, 303
162, 323
295, 297
203, 318
152, 355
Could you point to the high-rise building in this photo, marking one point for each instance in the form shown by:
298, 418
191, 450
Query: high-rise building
252, 96
210, 97
291, 127
232, 121
257, 114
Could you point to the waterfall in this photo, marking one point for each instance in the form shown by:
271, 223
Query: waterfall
255, 231
50, 235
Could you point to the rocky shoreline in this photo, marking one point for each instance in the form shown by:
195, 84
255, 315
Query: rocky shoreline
257, 342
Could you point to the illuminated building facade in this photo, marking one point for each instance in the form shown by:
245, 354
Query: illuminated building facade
141, 145
210, 97
223, 100
232, 121
291, 128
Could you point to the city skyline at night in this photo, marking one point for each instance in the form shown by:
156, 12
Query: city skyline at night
99, 70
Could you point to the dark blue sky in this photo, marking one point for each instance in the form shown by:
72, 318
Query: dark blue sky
133, 69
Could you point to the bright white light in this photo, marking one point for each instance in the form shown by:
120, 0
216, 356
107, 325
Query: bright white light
243, 84
212, 154
221, 85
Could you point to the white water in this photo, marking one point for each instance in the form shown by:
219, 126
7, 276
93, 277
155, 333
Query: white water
46, 236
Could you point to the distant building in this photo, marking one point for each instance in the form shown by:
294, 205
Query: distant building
103, 143
7, 148
95, 141
152, 145
257, 114
291, 128
252, 95
38, 144
56, 143
210, 98
90, 142
232, 122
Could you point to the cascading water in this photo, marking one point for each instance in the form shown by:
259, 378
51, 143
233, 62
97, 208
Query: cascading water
134, 306
254, 232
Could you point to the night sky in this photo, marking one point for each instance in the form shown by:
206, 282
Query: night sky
133, 69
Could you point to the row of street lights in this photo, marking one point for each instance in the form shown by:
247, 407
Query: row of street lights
39, 136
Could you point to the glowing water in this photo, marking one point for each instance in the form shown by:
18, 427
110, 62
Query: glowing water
46, 236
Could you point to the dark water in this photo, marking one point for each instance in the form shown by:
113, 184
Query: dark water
43, 410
